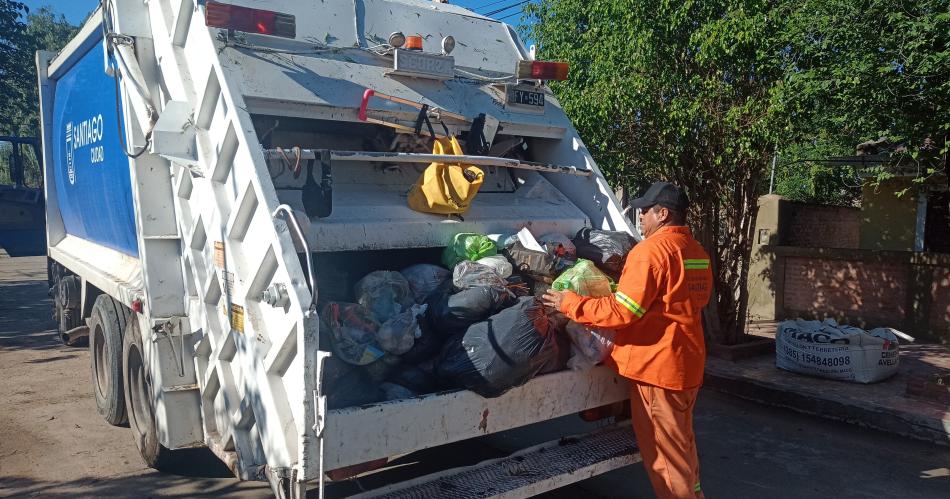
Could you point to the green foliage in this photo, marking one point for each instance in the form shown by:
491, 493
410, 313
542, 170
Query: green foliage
21, 34
802, 174
866, 69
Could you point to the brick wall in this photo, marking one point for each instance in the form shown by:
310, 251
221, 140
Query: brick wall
875, 291
821, 226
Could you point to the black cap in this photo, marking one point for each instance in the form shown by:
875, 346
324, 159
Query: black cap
664, 194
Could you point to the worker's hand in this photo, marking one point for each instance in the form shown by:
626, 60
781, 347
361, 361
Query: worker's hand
553, 298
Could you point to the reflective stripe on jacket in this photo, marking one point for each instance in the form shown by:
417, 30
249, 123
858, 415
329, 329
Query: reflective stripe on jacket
656, 311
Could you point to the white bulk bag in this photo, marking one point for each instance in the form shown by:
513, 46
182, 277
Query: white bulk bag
829, 350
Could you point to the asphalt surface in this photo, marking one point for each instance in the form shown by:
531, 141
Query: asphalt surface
53, 443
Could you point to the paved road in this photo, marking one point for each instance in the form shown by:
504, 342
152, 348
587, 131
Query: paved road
53, 444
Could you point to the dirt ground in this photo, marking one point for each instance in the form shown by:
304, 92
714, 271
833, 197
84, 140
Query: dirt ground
54, 444
52, 441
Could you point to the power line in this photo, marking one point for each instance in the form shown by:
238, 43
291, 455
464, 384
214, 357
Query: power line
513, 14
517, 4
489, 4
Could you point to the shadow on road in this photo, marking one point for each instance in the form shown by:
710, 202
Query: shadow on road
195, 472
25, 316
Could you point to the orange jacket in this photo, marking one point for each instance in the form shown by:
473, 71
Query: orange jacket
656, 311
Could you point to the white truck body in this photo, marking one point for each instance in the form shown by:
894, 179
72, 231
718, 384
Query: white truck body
219, 219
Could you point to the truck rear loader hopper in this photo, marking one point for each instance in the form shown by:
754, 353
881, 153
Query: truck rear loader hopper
214, 171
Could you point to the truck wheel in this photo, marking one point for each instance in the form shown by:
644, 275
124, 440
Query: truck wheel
138, 399
66, 306
106, 324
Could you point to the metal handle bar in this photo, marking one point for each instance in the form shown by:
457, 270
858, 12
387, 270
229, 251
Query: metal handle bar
311, 279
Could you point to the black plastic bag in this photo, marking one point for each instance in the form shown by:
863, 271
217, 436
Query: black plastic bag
395, 391
346, 385
450, 314
378, 371
413, 378
503, 352
426, 345
607, 249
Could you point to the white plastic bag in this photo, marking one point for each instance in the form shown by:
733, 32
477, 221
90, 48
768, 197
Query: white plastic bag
589, 346
384, 293
398, 334
829, 350
498, 262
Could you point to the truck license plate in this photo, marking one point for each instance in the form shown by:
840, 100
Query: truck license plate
421, 65
523, 97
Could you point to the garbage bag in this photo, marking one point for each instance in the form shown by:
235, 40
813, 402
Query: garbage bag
585, 279
393, 391
502, 352
504, 239
398, 334
384, 293
530, 261
499, 263
558, 245
413, 378
346, 385
607, 249
558, 322
450, 314
424, 278
589, 346
467, 246
425, 346
353, 332
383, 368
471, 274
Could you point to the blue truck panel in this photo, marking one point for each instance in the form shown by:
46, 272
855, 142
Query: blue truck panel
93, 184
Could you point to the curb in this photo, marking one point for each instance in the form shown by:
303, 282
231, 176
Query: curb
869, 415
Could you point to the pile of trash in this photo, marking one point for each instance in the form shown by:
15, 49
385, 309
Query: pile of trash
476, 322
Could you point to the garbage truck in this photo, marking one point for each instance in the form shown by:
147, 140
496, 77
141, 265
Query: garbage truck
216, 170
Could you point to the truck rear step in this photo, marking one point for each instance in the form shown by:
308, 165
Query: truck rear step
527, 472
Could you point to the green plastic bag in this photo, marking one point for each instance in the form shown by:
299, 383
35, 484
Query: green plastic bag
467, 246
585, 279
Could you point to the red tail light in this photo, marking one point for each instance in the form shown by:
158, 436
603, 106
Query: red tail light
265, 22
619, 410
542, 70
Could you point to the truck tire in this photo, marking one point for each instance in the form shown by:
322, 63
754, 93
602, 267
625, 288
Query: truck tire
66, 311
139, 401
106, 324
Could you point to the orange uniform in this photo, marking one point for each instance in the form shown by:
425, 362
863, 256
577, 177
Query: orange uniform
657, 314
656, 311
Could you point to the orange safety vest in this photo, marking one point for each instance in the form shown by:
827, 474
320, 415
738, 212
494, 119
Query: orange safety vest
656, 311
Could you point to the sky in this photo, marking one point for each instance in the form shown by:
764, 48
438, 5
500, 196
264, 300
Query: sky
74, 10
77, 10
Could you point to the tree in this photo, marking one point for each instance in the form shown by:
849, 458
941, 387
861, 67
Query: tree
12, 62
862, 70
19, 97
803, 173
19, 41
689, 92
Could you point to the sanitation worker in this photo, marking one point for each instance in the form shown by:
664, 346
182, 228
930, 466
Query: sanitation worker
656, 313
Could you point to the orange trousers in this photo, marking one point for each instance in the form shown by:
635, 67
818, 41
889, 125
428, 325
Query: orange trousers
663, 423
